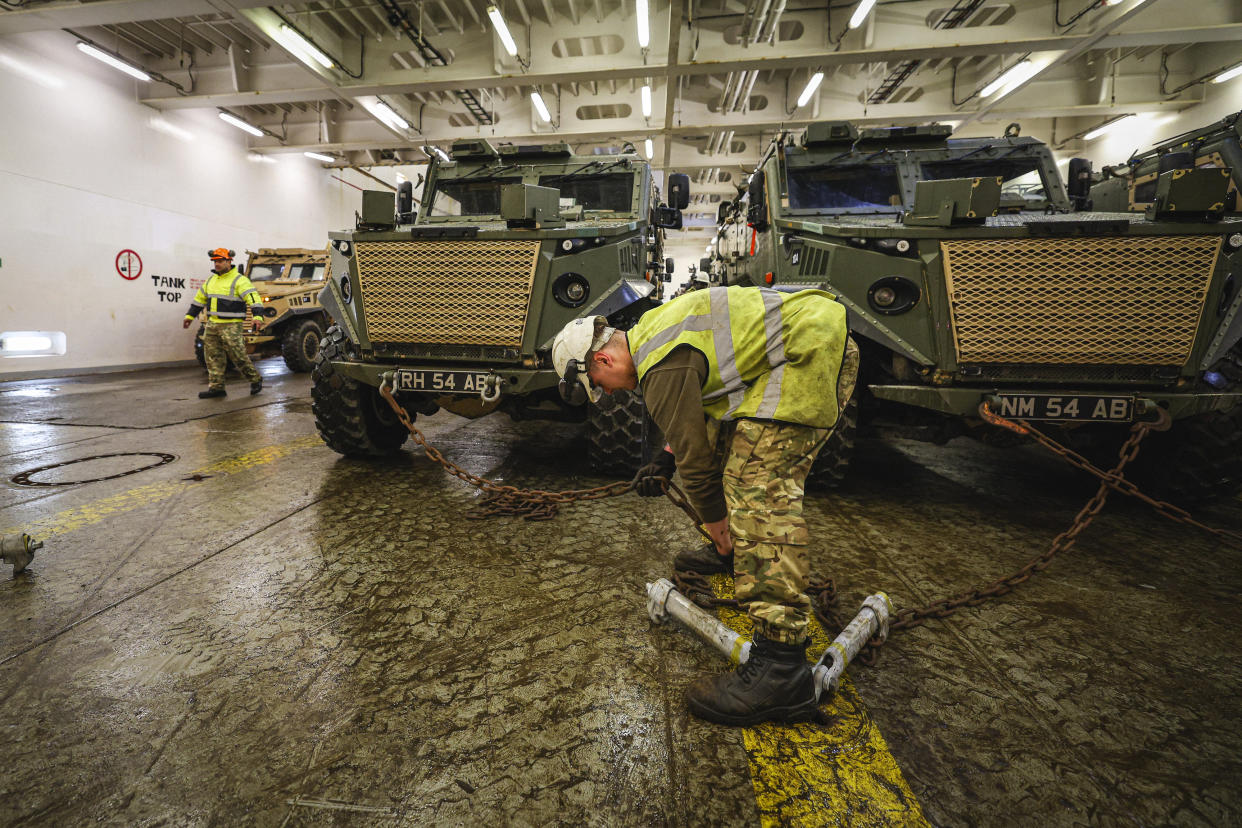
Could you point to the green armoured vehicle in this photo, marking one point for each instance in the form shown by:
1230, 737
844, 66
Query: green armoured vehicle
969, 279
1132, 186
458, 305
289, 280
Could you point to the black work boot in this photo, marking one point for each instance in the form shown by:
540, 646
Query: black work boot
211, 392
256, 387
774, 685
704, 560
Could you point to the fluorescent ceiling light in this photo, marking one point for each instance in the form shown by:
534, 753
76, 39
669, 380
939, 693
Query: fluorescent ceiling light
386, 114
30, 73
1228, 74
644, 30
646, 101
501, 29
541, 107
260, 158
113, 61
650, 148
160, 125
860, 13
811, 86
302, 49
240, 124
319, 156
1100, 130
1016, 74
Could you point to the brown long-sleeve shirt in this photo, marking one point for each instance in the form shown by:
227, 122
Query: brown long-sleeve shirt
673, 391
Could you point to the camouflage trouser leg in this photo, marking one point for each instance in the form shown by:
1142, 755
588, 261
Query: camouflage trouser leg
764, 474
222, 342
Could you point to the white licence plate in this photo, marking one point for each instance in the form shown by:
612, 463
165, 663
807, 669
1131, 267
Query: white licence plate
1077, 407
441, 382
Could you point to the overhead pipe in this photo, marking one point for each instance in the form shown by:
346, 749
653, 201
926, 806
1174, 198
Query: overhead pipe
737, 90
759, 22
754, 76
724, 93
772, 24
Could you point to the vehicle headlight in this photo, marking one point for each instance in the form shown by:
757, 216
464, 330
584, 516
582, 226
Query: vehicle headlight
1234, 241
893, 295
571, 289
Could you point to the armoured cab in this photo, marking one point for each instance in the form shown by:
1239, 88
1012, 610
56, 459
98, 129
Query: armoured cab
458, 308
970, 279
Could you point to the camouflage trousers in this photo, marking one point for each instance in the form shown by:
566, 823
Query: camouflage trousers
223, 341
765, 465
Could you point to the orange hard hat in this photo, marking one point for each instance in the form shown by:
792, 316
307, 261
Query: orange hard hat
220, 253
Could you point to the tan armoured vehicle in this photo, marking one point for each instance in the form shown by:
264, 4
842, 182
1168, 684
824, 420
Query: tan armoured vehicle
289, 279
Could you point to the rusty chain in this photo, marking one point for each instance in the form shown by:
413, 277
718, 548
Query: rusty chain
539, 504
532, 504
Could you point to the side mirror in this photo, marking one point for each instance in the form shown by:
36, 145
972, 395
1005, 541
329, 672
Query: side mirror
705, 265
679, 190
405, 201
667, 217
1078, 183
757, 215
724, 211
668, 265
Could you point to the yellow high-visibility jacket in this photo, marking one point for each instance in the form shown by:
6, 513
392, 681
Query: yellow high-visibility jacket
770, 355
225, 296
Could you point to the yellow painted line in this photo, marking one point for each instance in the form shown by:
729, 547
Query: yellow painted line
810, 774
78, 517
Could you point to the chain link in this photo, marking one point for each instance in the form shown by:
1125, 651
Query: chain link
532, 504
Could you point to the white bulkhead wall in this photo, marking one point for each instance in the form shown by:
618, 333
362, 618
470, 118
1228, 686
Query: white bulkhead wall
87, 172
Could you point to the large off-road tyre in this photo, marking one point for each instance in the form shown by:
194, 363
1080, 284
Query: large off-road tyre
1199, 458
300, 344
833, 461
351, 416
622, 436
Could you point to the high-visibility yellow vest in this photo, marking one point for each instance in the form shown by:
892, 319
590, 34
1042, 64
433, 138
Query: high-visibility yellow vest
770, 355
225, 296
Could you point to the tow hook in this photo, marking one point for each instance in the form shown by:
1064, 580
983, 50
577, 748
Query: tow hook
490, 392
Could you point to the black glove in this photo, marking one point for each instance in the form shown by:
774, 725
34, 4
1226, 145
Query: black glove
647, 481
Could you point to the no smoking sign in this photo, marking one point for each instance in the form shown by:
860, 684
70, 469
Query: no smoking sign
129, 264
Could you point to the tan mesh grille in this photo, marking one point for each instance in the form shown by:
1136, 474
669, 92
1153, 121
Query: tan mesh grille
449, 292
1103, 301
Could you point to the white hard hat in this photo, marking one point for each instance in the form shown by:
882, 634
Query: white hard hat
572, 344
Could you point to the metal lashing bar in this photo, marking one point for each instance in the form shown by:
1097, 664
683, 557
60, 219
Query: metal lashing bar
663, 600
871, 621
18, 550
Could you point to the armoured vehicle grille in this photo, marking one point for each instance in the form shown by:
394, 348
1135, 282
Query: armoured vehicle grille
1131, 300
447, 292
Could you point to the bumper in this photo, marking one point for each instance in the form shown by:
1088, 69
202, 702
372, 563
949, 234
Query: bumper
964, 402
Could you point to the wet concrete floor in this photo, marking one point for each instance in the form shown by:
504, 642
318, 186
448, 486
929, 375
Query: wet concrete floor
260, 632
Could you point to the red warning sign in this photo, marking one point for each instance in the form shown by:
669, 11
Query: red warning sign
128, 264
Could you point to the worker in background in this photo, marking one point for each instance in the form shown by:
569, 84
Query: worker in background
756, 377
225, 296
